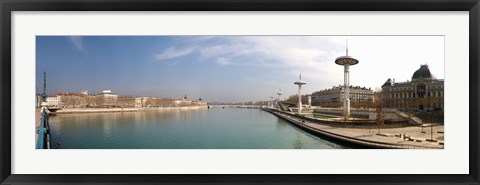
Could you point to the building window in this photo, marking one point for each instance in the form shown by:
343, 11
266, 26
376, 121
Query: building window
421, 91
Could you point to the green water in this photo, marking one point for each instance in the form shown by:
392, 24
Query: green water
229, 128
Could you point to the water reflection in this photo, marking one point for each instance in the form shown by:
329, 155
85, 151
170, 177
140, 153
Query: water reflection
182, 129
298, 142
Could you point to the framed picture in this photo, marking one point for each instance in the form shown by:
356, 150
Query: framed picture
167, 92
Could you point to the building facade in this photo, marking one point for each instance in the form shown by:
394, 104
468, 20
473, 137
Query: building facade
71, 100
423, 92
336, 94
140, 102
107, 98
166, 102
52, 101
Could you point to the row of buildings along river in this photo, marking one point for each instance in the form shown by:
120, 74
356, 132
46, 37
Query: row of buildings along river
424, 92
108, 99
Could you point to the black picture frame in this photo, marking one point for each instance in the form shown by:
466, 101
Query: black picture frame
8, 6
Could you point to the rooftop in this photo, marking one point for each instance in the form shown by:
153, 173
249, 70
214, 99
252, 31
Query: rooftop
422, 73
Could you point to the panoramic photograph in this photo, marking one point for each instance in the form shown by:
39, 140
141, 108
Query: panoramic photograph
239, 92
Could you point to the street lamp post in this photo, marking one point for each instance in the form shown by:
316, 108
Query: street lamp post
431, 126
299, 83
346, 61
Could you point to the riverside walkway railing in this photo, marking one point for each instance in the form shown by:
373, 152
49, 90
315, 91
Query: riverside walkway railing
43, 131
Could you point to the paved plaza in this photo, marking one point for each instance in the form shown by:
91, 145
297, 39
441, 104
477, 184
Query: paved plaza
431, 136
411, 135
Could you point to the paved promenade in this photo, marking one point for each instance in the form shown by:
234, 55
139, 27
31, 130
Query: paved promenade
403, 137
414, 136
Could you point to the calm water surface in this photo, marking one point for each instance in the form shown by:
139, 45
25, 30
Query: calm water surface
229, 128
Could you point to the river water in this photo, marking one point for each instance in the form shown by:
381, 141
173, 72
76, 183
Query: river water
217, 128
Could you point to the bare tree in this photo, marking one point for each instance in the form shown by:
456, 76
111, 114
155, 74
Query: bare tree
67, 101
91, 101
99, 101
126, 101
293, 99
378, 100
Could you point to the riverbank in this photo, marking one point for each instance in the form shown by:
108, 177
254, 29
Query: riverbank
405, 137
105, 110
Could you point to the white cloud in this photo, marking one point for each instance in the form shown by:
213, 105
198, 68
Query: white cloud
283, 50
223, 61
172, 52
215, 50
380, 57
78, 43
309, 55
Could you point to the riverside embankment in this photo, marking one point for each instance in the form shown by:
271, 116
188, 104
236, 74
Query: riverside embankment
104, 110
412, 137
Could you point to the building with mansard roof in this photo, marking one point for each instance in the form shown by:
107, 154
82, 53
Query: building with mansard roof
423, 92
336, 93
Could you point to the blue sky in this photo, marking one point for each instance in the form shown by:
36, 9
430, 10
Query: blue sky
226, 68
